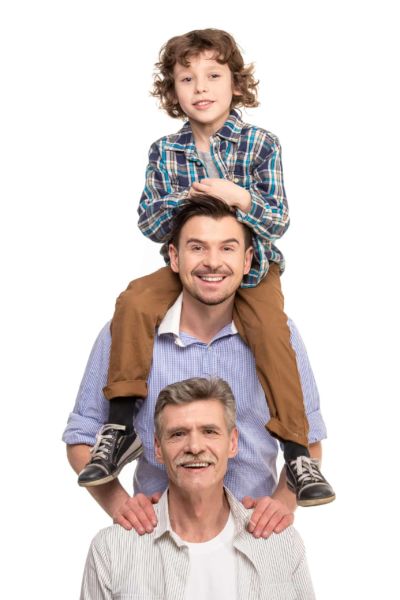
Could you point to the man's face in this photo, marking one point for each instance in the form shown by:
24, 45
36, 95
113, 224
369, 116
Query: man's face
195, 444
204, 90
211, 259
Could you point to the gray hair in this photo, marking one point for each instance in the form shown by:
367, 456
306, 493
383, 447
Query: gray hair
197, 388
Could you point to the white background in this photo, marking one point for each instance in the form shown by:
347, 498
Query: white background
76, 124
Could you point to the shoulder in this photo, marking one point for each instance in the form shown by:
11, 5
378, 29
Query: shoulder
259, 142
284, 547
115, 539
179, 138
260, 134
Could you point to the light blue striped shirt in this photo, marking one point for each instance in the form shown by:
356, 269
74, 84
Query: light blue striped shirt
178, 356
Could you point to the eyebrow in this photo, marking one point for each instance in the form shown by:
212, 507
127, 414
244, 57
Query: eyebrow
184, 428
197, 241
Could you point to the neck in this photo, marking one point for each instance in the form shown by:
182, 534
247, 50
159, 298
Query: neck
203, 321
203, 132
197, 516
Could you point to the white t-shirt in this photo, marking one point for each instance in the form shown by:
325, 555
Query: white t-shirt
212, 571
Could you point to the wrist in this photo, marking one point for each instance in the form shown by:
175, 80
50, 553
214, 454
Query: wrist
244, 201
287, 498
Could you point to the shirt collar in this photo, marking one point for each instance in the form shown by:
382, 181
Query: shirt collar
171, 322
240, 515
182, 141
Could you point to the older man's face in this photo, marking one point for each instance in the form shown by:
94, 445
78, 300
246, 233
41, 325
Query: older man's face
211, 259
195, 444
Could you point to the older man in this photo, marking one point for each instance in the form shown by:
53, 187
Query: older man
200, 549
198, 338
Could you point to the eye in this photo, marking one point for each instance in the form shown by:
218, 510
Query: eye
186, 79
215, 75
228, 249
196, 248
177, 434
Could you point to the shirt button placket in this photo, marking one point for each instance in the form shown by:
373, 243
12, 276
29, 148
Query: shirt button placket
207, 360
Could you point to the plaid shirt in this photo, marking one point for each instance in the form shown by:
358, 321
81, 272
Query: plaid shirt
248, 156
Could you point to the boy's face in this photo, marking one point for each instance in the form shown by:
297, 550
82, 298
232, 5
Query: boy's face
204, 90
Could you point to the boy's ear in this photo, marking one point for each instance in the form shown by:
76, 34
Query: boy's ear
173, 257
235, 88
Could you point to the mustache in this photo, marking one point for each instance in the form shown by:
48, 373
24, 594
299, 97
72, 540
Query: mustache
189, 459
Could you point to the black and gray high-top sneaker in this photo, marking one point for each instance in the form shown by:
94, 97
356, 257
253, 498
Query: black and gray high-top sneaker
114, 448
305, 479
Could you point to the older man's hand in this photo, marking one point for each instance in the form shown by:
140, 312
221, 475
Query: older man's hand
269, 516
138, 513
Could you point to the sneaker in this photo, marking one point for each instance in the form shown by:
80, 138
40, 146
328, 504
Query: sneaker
112, 451
305, 479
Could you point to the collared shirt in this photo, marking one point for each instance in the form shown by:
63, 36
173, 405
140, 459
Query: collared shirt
155, 566
178, 356
242, 153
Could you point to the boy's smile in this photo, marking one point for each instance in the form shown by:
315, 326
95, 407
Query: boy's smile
204, 91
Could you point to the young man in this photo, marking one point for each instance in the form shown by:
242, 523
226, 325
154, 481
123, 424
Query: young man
211, 252
200, 549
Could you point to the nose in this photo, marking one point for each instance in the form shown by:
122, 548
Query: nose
194, 443
201, 85
213, 259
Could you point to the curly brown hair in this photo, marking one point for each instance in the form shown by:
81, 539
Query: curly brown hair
181, 48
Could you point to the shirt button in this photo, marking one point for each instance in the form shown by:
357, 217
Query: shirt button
199, 163
236, 180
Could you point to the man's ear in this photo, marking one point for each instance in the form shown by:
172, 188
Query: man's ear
157, 449
173, 257
233, 442
248, 257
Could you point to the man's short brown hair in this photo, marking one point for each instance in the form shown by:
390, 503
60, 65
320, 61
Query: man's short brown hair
180, 49
204, 205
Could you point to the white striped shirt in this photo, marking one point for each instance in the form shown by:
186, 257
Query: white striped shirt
123, 565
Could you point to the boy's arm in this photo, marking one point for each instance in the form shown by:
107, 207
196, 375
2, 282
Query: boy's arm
263, 206
159, 199
268, 215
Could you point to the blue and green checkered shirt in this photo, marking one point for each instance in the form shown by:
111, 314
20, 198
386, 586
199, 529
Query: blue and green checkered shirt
245, 154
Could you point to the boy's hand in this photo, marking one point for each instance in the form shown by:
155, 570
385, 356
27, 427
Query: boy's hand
269, 516
229, 192
138, 513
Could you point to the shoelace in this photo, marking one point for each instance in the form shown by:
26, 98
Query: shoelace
102, 447
307, 469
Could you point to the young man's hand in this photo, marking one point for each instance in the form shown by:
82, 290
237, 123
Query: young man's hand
229, 192
269, 516
138, 513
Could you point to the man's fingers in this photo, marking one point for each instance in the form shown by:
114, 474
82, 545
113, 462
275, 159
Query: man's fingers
269, 524
261, 515
269, 516
146, 507
155, 497
120, 520
286, 521
130, 516
248, 502
137, 515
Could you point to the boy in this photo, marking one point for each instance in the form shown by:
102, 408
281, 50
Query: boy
202, 76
